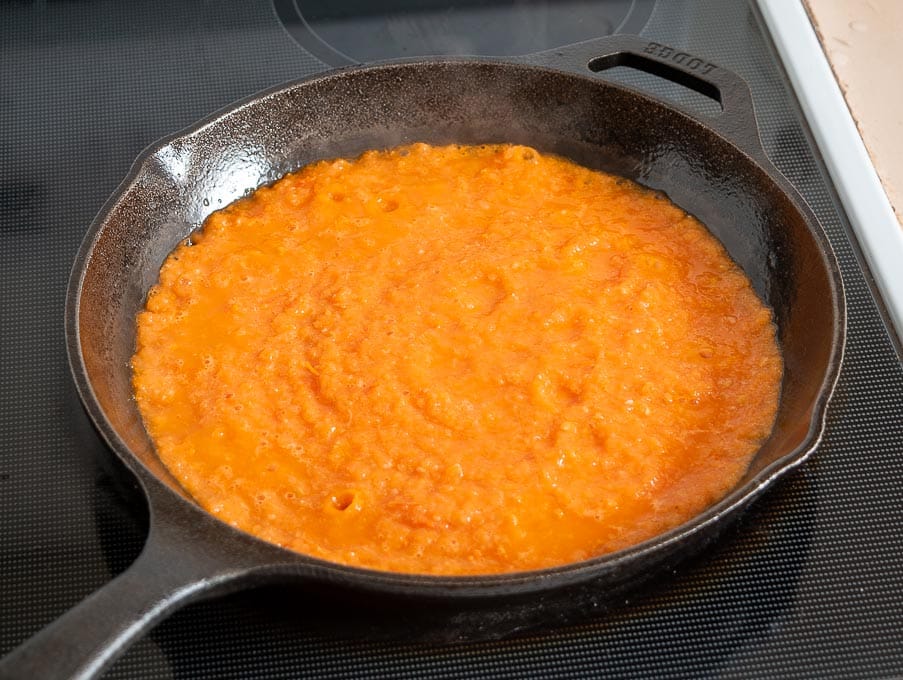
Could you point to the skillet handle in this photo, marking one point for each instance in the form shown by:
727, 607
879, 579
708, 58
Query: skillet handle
171, 571
737, 119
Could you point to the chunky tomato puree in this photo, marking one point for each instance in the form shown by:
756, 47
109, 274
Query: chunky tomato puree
455, 360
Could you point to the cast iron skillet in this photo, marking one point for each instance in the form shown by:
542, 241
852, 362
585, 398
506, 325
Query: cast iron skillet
715, 168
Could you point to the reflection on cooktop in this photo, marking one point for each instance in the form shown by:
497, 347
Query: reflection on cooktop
353, 31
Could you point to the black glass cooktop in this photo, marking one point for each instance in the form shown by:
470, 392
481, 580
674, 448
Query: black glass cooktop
808, 584
356, 31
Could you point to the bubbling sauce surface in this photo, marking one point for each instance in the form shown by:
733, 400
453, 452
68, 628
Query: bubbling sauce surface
455, 360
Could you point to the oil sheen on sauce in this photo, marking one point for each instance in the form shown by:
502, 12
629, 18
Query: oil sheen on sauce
455, 360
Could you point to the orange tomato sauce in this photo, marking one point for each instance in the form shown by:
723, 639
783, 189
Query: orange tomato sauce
455, 360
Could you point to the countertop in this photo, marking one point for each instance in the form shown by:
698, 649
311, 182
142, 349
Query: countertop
859, 38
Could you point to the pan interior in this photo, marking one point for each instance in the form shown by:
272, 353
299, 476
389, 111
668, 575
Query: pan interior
599, 125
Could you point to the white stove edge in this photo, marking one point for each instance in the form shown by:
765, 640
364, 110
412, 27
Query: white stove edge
858, 185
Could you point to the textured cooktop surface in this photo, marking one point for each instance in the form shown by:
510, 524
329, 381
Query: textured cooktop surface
809, 583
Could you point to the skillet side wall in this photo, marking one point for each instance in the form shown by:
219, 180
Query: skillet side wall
592, 122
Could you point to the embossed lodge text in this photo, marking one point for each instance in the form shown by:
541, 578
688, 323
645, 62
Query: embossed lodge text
681, 58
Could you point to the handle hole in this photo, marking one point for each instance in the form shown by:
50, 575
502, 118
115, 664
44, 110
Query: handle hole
660, 79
